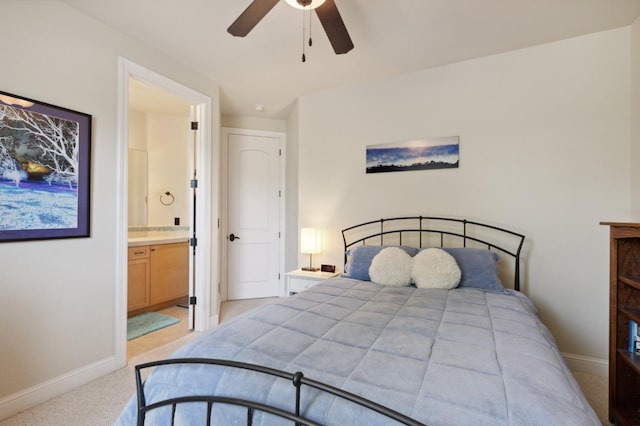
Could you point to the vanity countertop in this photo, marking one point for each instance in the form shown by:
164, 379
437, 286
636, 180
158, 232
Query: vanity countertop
145, 238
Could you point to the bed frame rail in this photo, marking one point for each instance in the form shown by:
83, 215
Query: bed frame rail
449, 232
297, 379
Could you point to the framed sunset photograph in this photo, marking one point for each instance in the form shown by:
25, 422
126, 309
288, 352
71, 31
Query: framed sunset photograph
44, 170
417, 154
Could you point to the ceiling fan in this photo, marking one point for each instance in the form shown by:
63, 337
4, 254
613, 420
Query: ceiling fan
325, 9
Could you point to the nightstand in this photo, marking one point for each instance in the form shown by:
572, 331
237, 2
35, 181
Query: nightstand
300, 280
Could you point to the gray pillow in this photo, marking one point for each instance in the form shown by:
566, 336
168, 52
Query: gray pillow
479, 268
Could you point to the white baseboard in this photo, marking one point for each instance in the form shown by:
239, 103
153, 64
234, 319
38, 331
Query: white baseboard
25, 399
584, 364
214, 321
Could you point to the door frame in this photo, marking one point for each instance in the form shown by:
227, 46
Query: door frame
224, 231
205, 261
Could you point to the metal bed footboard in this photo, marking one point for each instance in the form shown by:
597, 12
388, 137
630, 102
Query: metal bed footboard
297, 379
452, 232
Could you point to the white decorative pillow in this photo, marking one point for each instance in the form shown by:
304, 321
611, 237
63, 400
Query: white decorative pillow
435, 268
392, 266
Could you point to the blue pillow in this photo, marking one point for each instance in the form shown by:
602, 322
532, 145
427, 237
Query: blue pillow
479, 268
360, 258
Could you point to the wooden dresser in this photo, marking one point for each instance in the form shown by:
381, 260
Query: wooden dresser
624, 308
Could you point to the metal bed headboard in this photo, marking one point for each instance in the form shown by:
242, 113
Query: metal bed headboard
419, 231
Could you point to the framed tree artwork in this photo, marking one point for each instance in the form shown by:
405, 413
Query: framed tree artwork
44, 170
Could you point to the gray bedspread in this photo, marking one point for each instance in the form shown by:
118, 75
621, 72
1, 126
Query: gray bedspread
443, 357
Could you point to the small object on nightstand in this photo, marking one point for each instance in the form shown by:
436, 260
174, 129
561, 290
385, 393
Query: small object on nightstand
301, 280
328, 268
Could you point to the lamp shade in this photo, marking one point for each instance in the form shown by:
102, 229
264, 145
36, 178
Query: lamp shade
310, 240
305, 4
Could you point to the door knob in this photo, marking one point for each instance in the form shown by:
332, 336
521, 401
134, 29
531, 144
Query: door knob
233, 237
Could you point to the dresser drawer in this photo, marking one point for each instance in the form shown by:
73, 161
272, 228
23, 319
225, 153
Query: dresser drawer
140, 252
297, 285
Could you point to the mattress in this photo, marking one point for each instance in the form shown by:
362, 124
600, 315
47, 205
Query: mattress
443, 357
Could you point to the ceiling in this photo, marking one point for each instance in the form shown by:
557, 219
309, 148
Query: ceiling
390, 37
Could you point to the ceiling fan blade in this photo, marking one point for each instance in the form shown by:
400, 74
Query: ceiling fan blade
250, 17
334, 27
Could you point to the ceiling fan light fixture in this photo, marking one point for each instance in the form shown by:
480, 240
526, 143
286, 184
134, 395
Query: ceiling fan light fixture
325, 10
305, 4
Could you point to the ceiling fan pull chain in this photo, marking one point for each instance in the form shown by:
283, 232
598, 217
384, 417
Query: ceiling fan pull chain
304, 59
310, 41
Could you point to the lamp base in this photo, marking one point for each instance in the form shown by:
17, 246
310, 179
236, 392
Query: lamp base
310, 269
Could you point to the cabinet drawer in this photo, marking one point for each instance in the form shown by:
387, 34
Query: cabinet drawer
140, 252
300, 284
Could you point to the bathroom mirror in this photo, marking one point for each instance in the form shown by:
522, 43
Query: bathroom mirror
137, 187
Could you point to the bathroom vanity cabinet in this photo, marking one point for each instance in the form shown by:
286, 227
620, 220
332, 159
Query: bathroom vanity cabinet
158, 276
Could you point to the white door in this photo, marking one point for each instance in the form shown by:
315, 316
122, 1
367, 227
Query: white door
195, 128
253, 232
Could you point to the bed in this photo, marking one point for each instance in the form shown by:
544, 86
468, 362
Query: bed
371, 348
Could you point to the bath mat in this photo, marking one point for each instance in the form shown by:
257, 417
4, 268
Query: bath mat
146, 323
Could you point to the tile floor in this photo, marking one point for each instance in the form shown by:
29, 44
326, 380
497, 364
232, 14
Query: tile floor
228, 310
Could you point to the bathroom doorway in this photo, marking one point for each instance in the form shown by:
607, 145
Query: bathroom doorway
173, 121
160, 168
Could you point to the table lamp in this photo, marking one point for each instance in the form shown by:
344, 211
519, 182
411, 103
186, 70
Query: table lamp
310, 243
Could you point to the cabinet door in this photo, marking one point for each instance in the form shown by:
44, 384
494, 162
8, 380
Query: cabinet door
138, 284
169, 272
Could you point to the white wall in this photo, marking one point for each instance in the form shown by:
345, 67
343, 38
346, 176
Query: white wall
167, 140
635, 120
138, 130
138, 176
292, 200
254, 123
544, 145
57, 324
169, 145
